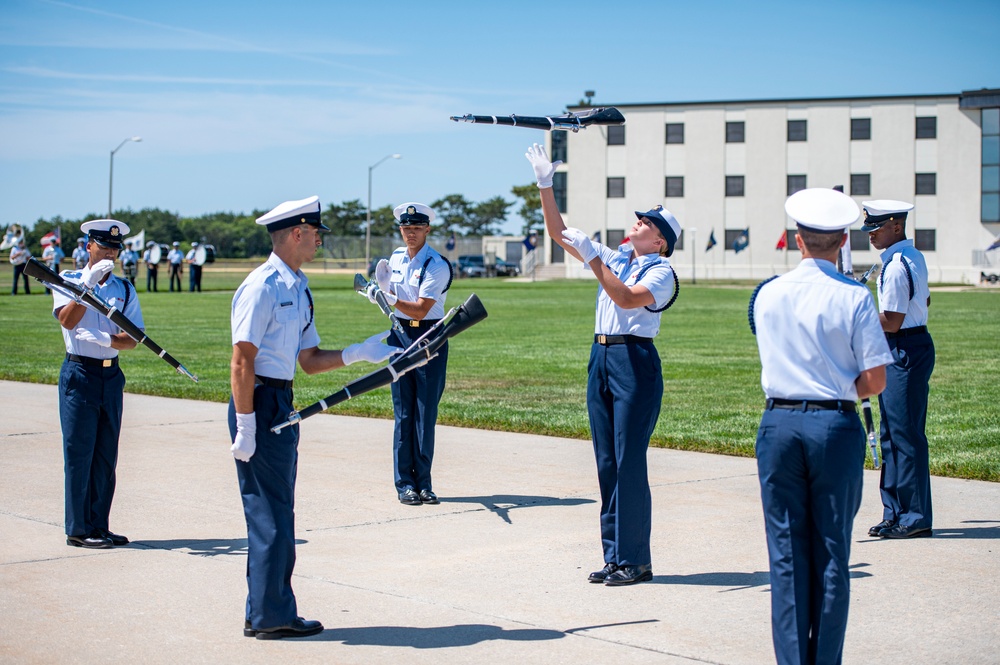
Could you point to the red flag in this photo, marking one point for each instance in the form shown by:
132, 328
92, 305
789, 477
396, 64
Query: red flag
782, 241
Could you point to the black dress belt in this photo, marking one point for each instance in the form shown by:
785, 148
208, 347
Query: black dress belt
280, 384
906, 332
608, 340
813, 405
92, 362
421, 324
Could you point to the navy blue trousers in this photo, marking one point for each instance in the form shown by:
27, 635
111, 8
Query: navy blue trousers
151, 278
415, 400
810, 467
175, 273
194, 279
906, 476
624, 393
90, 412
267, 486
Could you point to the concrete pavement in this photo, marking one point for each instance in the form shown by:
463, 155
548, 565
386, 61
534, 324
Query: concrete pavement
496, 573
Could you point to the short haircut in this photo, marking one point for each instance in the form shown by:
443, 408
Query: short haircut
820, 242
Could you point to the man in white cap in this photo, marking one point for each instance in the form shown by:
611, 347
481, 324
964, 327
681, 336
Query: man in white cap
903, 301
194, 277
91, 386
414, 281
624, 382
176, 259
151, 266
272, 329
80, 255
821, 349
130, 262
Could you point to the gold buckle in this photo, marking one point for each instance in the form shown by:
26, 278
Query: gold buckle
413, 323
602, 339
106, 362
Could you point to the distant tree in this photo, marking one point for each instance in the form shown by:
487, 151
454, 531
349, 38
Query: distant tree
486, 217
384, 222
531, 207
453, 214
346, 219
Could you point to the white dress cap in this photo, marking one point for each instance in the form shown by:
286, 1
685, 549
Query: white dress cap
886, 207
823, 210
291, 213
413, 213
108, 232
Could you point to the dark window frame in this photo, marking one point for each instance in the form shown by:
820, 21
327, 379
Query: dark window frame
675, 180
675, 126
615, 181
797, 131
861, 129
794, 183
925, 184
616, 134
559, 189
861, 184
731, 185
736, 131
560, 143
926, 127
925, 240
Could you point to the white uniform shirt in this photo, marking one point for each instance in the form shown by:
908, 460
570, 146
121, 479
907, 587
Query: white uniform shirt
113, 292
175, 256
272, 311
129, 257
816, 332
894, 287
612, 319
80, 257
19, 255
52, 255
190, 257
406, 284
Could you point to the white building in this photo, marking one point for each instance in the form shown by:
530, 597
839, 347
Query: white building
728, 166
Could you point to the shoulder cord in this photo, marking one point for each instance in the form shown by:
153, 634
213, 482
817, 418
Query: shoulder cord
423, 271
906, 267
753, 299
312, 313
677, 285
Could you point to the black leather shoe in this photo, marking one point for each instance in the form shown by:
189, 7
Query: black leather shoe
629, 575
602, 574
409, 498
900, 531
427, 496
884, 524
115, 539
91, 542
298, 628
248, 630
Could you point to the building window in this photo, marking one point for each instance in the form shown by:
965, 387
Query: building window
790, 240
558, 254
615, 237
734, 132
679, 245
675, 132
859, 241
559, 189
732, 235
734, 185
616, 188
675, 186
861, 184
925, 240
796, 183
616, 135
796, 130
861, 129
990, 210
926, 183
559, 146
927, 128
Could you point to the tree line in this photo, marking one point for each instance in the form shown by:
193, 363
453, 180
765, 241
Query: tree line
237, 235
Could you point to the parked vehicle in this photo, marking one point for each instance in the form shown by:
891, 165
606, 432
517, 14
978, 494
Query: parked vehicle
472, 265
507, 269
371, 266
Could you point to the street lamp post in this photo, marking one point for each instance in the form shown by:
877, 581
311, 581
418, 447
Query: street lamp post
111, 172
694, 255
368, 221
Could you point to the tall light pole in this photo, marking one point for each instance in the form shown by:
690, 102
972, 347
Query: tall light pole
111, 172
368, 222
694, 255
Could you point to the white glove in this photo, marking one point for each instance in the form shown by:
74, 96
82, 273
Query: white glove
371, 350
382, 274
542, 166
373, 289
581, 243
92, 276
246, 437
98, 337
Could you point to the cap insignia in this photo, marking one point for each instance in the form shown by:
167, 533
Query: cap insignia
410, 210
113, 231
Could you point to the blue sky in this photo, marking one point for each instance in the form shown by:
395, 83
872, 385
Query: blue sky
242, 105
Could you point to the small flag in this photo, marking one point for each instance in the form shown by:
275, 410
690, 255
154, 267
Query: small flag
50, 236
742, 240
597, 236
450, 245
995, 245
530, 241
782, 241
711, 241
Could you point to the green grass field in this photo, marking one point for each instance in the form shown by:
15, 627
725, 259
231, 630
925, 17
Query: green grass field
524, 368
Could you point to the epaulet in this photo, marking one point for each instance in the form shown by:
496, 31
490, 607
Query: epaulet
753, 299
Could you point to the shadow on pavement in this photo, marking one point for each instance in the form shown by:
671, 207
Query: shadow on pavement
432, 638
502, 504
203, 546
